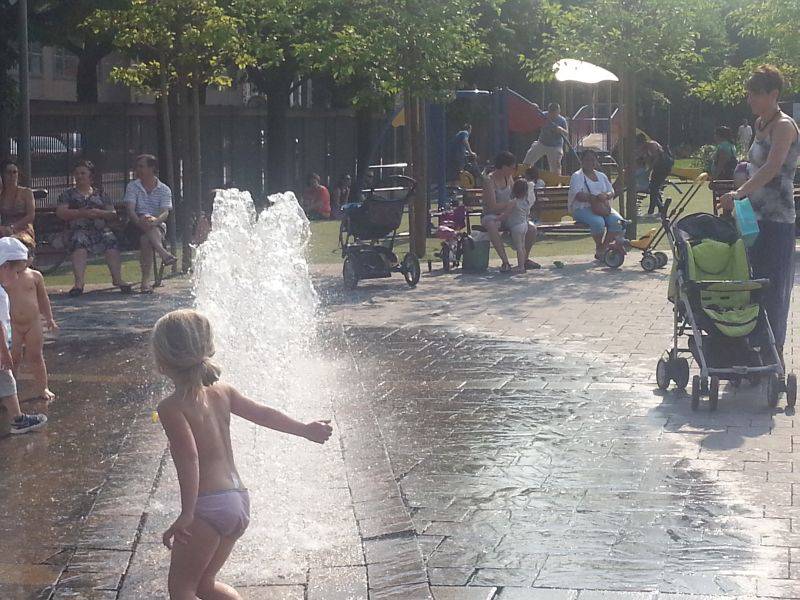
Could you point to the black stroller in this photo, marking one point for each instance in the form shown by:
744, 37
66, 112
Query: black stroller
719, 308
367, 237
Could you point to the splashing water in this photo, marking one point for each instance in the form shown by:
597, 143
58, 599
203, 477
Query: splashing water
252, 281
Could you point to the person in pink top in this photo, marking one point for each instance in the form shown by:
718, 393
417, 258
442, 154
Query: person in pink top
316, 199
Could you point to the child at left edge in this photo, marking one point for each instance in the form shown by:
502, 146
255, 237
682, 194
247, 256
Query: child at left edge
13, 261
29, 305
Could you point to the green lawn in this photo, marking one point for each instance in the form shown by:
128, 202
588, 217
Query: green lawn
325, 235
97, 272
325, 239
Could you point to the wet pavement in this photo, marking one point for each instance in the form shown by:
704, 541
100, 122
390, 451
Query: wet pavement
72, 495
537, 459
497, 438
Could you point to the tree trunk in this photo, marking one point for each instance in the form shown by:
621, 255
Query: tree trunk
86, 82
187, 179
629, 146
167, 159
418, 210
278, 176
364, 141
195, 202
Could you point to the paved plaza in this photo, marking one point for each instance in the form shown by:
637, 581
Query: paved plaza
496, 438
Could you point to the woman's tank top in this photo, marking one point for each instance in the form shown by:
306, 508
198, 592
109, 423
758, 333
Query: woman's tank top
775, 201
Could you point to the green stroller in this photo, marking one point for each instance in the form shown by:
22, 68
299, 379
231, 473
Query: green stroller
718, 309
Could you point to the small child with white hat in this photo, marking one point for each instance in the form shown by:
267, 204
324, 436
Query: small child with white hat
13, 261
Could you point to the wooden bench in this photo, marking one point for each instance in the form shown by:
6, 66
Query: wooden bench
52, 245
552, 214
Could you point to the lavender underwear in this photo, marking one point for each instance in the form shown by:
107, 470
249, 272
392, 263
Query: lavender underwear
227, 511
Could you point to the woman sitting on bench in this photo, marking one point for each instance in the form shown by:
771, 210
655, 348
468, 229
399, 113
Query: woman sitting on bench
498, 205
589, 202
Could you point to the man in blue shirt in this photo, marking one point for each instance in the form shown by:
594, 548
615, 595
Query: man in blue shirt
461, 148
550, 142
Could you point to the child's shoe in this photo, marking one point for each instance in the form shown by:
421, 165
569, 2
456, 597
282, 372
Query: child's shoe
26, 423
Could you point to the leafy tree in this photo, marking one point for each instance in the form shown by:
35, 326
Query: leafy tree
769, 30
274, 29
631, 38
186, 44
60, 23
414, 48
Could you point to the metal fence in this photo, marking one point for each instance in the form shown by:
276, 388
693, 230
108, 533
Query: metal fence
234, 145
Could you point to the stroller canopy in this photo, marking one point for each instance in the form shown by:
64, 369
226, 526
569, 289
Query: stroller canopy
703, 226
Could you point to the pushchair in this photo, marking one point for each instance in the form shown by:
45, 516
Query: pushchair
367, 235
718, 308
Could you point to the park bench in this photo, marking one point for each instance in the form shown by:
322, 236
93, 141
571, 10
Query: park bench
552, 214
52, 244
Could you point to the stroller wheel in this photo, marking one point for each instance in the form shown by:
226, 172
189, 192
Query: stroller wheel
773, 390
791, 390
350, 273
662, 259
649, 263
679, 371
614, 258
662, 374
410, 269
713, 393
695, 392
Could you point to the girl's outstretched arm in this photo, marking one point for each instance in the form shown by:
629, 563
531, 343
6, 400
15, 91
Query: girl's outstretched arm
317, 431
184, 455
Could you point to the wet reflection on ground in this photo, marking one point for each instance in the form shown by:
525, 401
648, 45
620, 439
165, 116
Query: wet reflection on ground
525, 465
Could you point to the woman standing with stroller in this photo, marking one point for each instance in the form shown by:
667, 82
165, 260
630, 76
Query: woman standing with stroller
773, 159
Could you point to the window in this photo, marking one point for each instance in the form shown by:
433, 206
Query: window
64, 64
35, 60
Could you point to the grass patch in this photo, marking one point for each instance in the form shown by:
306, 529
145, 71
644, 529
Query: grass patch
325, 235
97, 272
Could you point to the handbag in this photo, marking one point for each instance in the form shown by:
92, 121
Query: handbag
599, 207
746, 221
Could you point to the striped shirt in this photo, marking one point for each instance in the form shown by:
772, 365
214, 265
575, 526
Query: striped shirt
148, 203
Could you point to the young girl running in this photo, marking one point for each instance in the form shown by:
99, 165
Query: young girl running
215, 507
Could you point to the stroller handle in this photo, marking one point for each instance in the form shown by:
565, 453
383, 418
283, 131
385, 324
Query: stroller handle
412, 183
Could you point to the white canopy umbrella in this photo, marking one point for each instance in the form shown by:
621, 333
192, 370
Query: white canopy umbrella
569, 69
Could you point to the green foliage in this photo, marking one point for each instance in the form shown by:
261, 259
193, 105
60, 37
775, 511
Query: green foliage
773, 26
634, 36
192, 40
396, 45
704, 157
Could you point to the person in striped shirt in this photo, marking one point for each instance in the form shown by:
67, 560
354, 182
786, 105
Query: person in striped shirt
149, 203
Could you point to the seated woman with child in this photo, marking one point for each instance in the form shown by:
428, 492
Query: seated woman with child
507, 205
589, 202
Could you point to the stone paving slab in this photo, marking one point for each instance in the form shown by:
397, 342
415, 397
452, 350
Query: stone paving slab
521, 421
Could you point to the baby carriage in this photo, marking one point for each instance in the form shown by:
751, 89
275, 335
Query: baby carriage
367, 237
718, 307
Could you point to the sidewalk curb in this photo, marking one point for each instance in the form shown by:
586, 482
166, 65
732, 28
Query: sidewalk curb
395, 566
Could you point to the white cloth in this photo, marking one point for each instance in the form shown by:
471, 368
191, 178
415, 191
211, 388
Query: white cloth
579, 182
5, 316
745, 136
148, 203
10, 249
554, 155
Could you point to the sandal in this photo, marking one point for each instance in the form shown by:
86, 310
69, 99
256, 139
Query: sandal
75, 292
505, 268
529, 264
125, 288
